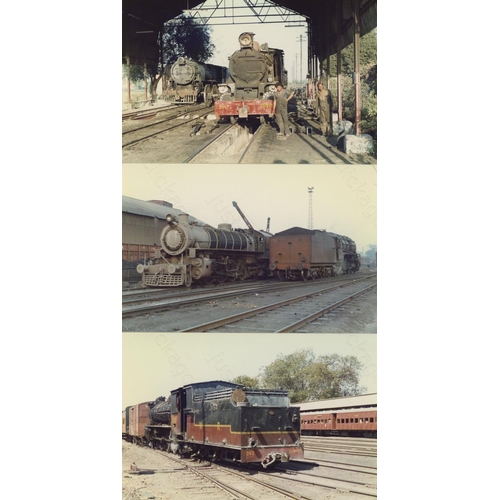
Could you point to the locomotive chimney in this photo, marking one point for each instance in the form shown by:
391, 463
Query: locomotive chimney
183, 218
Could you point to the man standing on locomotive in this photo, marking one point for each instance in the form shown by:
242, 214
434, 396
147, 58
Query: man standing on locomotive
324, 106
280, 109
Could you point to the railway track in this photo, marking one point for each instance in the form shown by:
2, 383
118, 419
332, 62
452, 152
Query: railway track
350, 467
143, 133
171, 476
149, 301
333, 446
255, 485
238, 485
284, 316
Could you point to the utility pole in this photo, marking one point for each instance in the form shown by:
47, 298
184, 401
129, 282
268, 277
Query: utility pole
310, 191
300, 71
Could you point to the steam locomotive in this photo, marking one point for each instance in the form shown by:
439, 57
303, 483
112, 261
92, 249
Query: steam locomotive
189, 81
219, 420
190, 252
254, 72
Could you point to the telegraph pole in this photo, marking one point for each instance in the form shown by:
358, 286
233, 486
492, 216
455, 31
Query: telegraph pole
300, 40
310, 191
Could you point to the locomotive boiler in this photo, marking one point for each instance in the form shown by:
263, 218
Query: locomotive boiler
190, 252
189, 81
299, 253
224, 421
254, 72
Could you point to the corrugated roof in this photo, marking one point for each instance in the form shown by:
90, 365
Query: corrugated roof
364, 400
148, 209
143, 19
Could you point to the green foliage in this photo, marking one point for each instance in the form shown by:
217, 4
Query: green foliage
308, 377
368, 82
290, 372
136, 72
246, 381
367, 54
184, 36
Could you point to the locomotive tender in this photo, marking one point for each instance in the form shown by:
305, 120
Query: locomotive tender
219, 420
254, 72
189, 81
299, 253
191, 252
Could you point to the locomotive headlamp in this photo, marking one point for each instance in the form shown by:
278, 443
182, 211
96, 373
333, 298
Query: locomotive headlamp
170, 218
246, 39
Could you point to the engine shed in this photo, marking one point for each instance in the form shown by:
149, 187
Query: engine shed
142, 224
332, 25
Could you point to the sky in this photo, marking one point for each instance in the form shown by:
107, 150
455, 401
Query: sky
344, 199
276, 35
156, 363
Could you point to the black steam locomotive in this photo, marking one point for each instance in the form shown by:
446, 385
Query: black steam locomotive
221, 421
254, 72
189, 81
191, 252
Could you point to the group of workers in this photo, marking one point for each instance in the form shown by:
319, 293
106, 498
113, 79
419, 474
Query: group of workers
324, 107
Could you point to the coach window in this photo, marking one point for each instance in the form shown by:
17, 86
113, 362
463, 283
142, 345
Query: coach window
351, 420
355, 420
371, 419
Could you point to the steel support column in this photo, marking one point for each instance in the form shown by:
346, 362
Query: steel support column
357, 93
340, 18
128, 80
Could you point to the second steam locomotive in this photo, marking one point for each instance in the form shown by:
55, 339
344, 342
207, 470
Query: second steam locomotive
189, 81
192, 252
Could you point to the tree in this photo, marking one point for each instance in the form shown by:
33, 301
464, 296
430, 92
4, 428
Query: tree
367, 55
290, 372
371, 253
186, 37
246, 381
181, 36
309, 378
